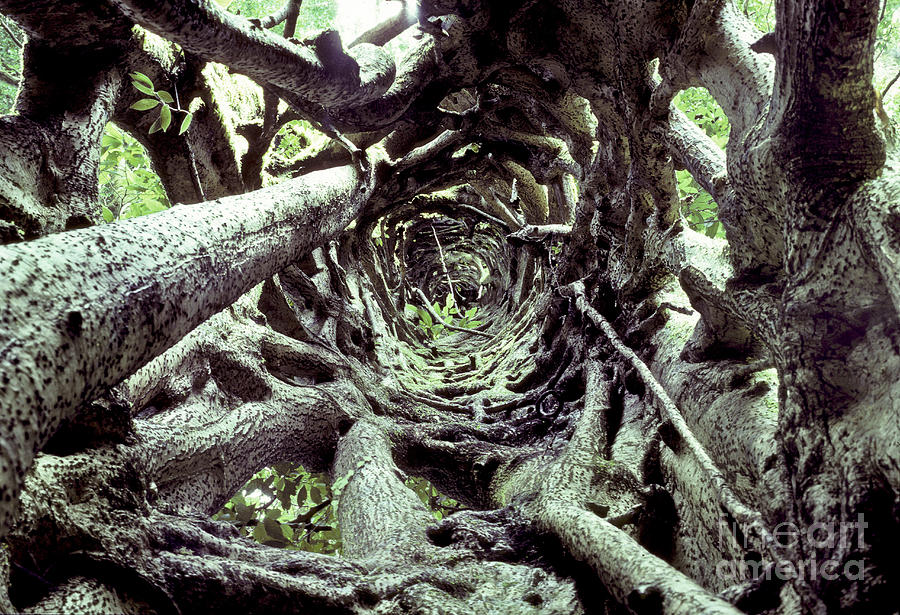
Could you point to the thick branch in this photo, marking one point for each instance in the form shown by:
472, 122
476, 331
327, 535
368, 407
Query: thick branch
639, 580
387, 29
322, 74
68, 333
823, 90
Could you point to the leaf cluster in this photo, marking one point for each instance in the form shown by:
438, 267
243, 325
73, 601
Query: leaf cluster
761, 13
128, 187
314, 16
287, 507
449, 312
11, 45
437, 503
697, 205
161, 99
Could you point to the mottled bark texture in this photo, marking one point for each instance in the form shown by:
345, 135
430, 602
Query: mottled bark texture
647, 416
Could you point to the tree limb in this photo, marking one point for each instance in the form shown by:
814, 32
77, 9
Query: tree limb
323, 75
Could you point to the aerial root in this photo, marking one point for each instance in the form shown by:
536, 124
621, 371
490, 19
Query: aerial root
750, 520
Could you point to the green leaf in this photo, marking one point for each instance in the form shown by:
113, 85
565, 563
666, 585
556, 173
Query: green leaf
471, 312
284, 496
308, 515
259, 533
110, 141
144, 104
425, 316
165, 117
106, 213
448, 302
315, 495
283, 468
140, 87
243, 512
272, 515
273, 529
142, 78
155, 126
151, 206
165, 97
185, 123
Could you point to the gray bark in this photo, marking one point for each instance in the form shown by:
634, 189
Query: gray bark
652, 407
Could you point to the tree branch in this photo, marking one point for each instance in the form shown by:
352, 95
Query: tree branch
825, 64
322, 74
387, 29
86, 338
751, 521
9, 78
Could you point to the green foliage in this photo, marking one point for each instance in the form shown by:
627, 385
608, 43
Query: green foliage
10, 62
315, 15
888, 32
128, 185
162, 99
697, 205
702, 108
887, 57
295, 140
286, 506
440, 505
255, 9
449, 312
761, 13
